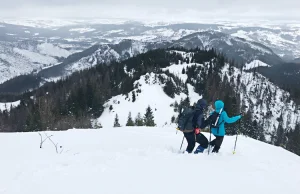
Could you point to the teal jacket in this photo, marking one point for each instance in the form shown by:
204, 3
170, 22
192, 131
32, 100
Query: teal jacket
223, 119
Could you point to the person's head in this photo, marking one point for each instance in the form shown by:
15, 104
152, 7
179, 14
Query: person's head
201, 104
219, 104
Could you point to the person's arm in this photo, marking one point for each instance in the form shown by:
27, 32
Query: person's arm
200, 121
206, 122
230, 119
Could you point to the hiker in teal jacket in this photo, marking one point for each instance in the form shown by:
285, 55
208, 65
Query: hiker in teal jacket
220, 132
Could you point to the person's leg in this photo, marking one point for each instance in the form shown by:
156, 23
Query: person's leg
213, 142
203, 141
190, 138
218, 143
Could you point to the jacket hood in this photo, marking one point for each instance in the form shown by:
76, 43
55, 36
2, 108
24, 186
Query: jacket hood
201, 104
218, 105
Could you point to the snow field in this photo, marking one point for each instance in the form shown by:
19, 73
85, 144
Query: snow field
141, 160
7, 105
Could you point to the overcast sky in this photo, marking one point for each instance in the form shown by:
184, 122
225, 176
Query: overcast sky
164, 10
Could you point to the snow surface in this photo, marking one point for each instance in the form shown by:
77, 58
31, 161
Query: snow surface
255, 64
137, 160
177, 69
36, 57
39, 23
242, 34
8, 105
50, 49
82, 30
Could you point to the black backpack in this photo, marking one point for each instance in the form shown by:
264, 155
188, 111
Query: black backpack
185, 119
214, 119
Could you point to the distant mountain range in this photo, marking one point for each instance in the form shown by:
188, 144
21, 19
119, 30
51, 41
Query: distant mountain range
237, 49
48, 54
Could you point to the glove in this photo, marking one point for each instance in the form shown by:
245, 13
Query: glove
197, 131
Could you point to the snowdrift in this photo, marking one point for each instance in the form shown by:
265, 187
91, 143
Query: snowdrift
139, 160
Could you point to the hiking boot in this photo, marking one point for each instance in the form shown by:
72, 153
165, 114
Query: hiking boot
199, 150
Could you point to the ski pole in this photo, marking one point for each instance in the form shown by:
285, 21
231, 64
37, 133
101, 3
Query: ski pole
182, 142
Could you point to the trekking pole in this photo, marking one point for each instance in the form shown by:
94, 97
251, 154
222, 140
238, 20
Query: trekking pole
182, 142
209, 140
236, 138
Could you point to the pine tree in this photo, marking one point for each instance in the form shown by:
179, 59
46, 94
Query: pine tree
116, 123
183, 71
293, 143
169, 88
133, 96
97, 125
110, 108
138, 120
149, 118
129, 121
173, 119
176, 107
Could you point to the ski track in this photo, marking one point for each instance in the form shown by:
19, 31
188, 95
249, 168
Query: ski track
141, 160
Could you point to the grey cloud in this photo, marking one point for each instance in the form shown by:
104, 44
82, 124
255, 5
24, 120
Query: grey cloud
153, 9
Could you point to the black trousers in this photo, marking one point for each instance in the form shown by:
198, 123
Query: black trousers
191, 138
216, 143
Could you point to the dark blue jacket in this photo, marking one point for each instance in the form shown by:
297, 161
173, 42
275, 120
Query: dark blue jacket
198, 119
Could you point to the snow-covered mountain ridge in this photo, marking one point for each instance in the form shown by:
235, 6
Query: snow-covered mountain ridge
239, 50
283, 39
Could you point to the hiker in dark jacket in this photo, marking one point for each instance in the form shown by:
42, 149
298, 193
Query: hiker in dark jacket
193, 129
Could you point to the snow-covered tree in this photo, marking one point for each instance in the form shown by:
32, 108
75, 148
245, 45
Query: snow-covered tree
133, 96
139, 120
149, 118
129, 121
116, 123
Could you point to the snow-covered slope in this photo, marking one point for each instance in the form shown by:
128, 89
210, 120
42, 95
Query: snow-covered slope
6, 106
284, 42
27, 56
97, 54
149, 92
240, 50
139, 160
267, 102
255, 64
